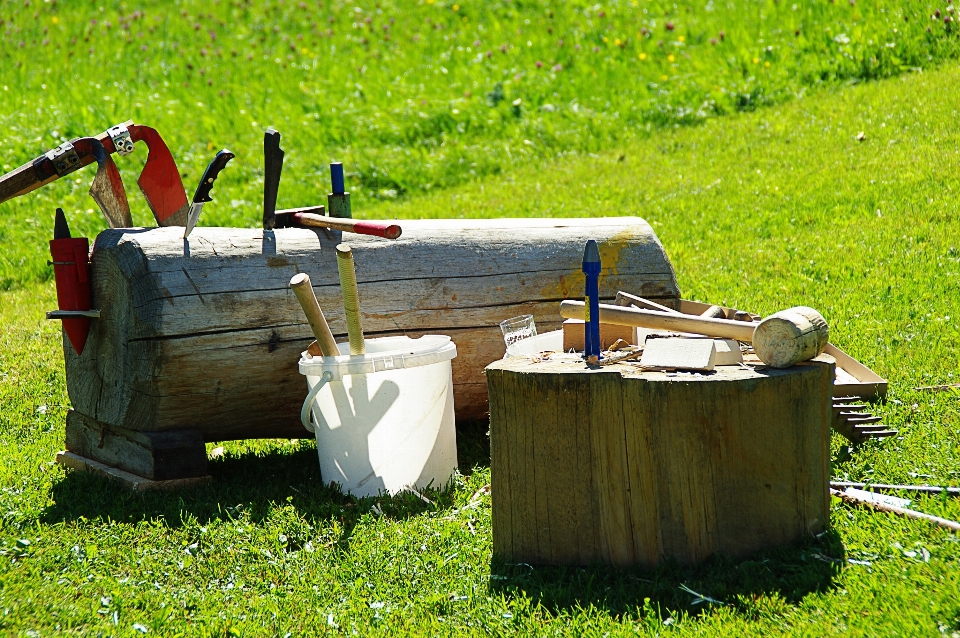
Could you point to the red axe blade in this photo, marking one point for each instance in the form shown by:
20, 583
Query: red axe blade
160, 180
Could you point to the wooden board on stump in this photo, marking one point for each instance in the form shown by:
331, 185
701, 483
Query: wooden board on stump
628, 467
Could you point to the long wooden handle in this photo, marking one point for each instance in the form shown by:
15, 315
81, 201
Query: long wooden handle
387, 231
311, 308
900, 511
619, 315
23, 179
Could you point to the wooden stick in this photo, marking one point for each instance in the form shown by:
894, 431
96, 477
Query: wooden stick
300, 283
938, 388
900, 511
626, 299
879, 487
714, 312
724, 328
351, 298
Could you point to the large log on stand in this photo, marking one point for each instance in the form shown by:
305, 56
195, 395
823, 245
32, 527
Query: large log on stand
204, 334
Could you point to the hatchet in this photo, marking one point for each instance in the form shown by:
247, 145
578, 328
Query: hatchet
159, 181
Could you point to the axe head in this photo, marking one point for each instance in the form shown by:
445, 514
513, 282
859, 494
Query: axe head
107, 189
160, 179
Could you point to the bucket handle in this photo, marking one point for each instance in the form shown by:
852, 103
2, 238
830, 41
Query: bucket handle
307, 409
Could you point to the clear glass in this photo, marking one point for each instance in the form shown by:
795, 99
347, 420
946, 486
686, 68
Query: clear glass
517, 329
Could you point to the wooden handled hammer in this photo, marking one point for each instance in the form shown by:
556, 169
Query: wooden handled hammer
781, 340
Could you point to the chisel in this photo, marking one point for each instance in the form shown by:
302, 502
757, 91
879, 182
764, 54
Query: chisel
591, 297
272, 167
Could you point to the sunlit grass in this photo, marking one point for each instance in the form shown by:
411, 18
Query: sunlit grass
761, 211
412, 96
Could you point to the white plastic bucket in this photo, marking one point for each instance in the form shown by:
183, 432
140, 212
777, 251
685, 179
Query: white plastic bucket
384, 420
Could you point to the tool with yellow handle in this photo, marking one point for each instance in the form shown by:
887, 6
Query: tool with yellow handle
351, 298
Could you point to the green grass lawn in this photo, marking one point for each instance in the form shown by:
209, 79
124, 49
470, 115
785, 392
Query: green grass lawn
761, 210
412, 96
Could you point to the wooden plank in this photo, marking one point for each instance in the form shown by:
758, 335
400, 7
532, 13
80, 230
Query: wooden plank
152, 455
679, 353
609, 333
131, 481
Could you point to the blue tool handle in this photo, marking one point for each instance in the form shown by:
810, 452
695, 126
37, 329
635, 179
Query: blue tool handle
591, 268
336, 177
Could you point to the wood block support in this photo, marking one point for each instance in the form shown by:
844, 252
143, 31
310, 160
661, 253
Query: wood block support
628, 467
157, 456
132, 481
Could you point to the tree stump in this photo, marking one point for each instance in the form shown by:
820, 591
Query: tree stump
204, 334
629, 467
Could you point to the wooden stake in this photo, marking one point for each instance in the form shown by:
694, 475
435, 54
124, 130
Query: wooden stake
300, 284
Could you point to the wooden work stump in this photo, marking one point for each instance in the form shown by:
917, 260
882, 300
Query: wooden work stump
629, 467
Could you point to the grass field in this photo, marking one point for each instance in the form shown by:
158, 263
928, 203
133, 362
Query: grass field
761, 210
412, 96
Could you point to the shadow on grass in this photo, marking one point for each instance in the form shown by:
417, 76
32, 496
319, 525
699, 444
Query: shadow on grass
789, 573
252, 484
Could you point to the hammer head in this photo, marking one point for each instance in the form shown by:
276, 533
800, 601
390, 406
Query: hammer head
285, 218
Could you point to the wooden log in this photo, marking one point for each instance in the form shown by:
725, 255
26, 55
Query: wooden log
205, 333
630, 467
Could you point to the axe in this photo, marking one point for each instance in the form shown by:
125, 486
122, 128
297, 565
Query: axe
160, 179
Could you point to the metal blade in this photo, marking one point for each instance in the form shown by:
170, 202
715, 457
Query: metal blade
192, 216
160, 180
107, 190
272, 167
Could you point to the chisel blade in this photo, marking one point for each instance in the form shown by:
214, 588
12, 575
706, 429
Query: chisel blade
272, 167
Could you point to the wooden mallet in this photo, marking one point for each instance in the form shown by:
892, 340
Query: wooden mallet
300, 284
781, 340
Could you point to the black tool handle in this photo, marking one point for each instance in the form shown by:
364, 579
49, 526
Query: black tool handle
272, 167
210, 176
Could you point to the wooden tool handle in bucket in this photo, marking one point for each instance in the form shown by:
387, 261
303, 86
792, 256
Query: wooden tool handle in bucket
311, 308
351, 298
